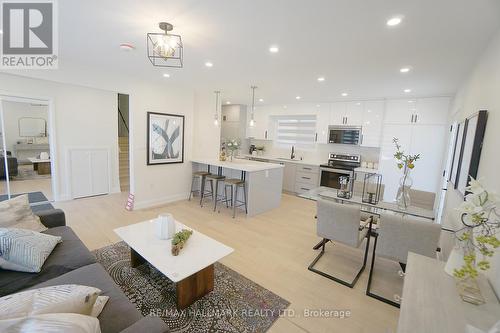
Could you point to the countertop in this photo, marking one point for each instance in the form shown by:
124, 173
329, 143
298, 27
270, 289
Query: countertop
367, 170
283, 159
238, 164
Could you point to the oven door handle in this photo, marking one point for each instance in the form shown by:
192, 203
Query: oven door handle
346, 172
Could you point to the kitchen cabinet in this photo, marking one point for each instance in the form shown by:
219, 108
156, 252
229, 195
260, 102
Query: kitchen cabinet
262, 129
289, 177
354, 113
372, 123
322, 122
337, 113
426, 140
306, 178
432, 111
400, 111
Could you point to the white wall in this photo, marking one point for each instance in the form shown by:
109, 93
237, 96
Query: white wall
481, 91
88, 117
206, 135
83, 118
12, 112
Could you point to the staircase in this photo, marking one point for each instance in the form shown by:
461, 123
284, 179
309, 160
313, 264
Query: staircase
124, 164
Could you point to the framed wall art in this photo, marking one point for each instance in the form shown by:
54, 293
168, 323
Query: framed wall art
165, 141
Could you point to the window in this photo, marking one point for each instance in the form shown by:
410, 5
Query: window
296, 130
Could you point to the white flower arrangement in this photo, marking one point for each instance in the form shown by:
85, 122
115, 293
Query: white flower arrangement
482, 223
233, 144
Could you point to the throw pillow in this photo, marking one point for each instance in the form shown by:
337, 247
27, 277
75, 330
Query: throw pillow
99, 305
68, 298
26, 249
17, 213
51, 322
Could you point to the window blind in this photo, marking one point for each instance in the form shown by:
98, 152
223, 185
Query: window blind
297, 130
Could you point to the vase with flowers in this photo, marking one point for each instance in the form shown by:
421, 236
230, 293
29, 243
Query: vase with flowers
477, 240
232, 145
405, 162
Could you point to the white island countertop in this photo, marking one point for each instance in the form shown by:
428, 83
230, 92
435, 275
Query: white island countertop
238, 164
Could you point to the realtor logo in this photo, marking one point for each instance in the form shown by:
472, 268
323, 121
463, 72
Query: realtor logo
29, 35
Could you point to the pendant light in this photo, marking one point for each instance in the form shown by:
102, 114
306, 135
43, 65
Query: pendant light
216, 115
252, 120
165, 49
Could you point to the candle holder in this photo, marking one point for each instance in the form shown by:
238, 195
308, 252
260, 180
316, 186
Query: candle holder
372, 184
346, 186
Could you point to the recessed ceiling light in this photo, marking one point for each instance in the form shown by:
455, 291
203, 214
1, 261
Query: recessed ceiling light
405, 69
317, 105
407, 90
228, 102
321, 79
166, 75
261, 100
284, 106
127, 47
297, 97
393, 21
274, 49
344, 94
410, 101
209, 64
358, 104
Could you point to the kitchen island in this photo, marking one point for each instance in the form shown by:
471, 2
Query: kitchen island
264, 181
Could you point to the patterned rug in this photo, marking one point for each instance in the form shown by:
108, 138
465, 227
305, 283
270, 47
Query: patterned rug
235, 305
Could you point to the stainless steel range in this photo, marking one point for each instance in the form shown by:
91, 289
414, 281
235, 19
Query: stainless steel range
338, 165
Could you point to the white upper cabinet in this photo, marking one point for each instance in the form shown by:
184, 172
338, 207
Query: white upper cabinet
372, 123
262, 128
354, 113
337, 114
432, 111
322, 122
400, 111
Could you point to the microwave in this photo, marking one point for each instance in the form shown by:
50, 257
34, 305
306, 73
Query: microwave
347, 135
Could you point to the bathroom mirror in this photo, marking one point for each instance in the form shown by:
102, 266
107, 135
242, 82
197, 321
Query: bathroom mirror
32, 127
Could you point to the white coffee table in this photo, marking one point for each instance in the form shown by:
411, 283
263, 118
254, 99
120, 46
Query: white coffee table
192, 270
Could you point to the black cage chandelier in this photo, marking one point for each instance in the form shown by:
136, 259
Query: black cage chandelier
165, 49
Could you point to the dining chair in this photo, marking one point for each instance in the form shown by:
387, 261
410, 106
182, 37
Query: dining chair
341, 223
396, 236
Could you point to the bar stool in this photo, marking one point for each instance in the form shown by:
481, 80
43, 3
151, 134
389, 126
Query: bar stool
201, 175
235, 184
215, 196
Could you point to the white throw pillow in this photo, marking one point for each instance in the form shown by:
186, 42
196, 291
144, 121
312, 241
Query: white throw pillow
53, 323
25, 250
68, 298
17, 213
99, 305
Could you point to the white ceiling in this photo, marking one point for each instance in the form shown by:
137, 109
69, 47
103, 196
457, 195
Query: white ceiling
346, 41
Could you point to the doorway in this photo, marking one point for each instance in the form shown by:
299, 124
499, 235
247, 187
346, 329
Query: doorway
26, 149
123, 142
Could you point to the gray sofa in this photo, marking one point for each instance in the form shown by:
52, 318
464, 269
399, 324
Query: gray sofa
72, 263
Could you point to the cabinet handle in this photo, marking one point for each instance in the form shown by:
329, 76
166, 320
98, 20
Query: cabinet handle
305, 189
346, 120
416, 118
316, 138
266, 135
304, 168
361, 139
306, 178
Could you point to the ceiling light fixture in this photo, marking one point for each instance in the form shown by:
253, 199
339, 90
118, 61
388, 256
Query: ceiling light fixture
297, 97
261, 100
165, 49
407, 90
209, 64
405, 69
252, 119
394, 21
216, 115
166, 75
274, 49
344, 94
228, 102
321, 79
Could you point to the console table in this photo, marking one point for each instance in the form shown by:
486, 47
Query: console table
431, 303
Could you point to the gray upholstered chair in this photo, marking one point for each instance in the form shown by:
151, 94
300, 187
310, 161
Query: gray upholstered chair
398, 235
341, 223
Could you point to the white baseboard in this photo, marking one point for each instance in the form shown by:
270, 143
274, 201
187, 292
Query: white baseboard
159, 201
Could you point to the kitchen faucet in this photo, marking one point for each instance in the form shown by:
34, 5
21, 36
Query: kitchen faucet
292, 155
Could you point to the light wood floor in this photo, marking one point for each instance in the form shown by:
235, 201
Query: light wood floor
272, 249
28, 185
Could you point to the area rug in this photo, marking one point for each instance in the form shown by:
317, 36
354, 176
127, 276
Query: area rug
235, 305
